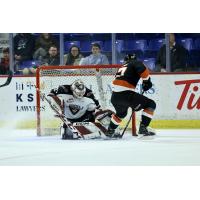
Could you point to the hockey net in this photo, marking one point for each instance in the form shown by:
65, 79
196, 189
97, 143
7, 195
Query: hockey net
98, 78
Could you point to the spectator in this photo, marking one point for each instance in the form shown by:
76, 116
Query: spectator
23, 47
178, 56
4, 64
42, 45
96, 58
73, 57
52, 58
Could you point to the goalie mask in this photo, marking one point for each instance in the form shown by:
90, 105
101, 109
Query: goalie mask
129, 57
78, 89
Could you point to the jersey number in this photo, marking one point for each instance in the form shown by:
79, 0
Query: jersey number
121, 72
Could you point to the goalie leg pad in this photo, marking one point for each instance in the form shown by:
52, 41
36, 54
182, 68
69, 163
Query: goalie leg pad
104, 117
88, 130
68, 134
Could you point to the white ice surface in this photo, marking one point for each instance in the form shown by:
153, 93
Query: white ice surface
169, 148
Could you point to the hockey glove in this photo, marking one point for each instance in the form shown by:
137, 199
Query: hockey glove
147, 84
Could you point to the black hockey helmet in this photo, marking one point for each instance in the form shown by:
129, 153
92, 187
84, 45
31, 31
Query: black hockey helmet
130, 57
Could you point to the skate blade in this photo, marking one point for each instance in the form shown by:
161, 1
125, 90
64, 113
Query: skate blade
144, 137
111, 138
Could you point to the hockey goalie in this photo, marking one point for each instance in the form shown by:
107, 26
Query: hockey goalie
80, 112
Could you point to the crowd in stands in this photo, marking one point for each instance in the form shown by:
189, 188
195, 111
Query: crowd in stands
74, 56
24, 44
178, 56
43, 44
4, 64
96, 58
32, 50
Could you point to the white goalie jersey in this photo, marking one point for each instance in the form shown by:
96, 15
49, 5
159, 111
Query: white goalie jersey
75, 108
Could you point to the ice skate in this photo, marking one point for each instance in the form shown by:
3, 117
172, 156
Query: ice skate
145, 133
111, 134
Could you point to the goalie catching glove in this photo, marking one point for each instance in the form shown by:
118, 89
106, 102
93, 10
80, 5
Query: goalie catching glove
147, 84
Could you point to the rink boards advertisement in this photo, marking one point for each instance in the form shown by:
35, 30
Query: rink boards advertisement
177, 97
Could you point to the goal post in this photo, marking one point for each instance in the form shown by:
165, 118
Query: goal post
98, 78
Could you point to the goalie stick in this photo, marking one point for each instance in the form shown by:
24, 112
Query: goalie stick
61, 116
10, 75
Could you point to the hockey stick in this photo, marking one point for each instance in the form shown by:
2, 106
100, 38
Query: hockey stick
61, 116
127, 124
10, 75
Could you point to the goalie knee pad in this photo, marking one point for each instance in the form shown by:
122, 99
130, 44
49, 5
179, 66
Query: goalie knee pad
104, 116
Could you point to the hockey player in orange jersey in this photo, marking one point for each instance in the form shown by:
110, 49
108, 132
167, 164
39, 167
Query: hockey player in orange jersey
124, 95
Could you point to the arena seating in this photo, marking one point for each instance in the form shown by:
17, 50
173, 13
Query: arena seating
186, 42
135, 45
150, 63
155, 44
196, 44
144, 45
68, 44
86, 45
107, 46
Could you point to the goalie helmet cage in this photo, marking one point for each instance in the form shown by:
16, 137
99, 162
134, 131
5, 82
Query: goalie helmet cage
96, 77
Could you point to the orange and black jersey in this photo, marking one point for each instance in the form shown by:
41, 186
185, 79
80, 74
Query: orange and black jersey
128, 76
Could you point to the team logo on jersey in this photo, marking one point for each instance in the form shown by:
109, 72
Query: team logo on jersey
74, 108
